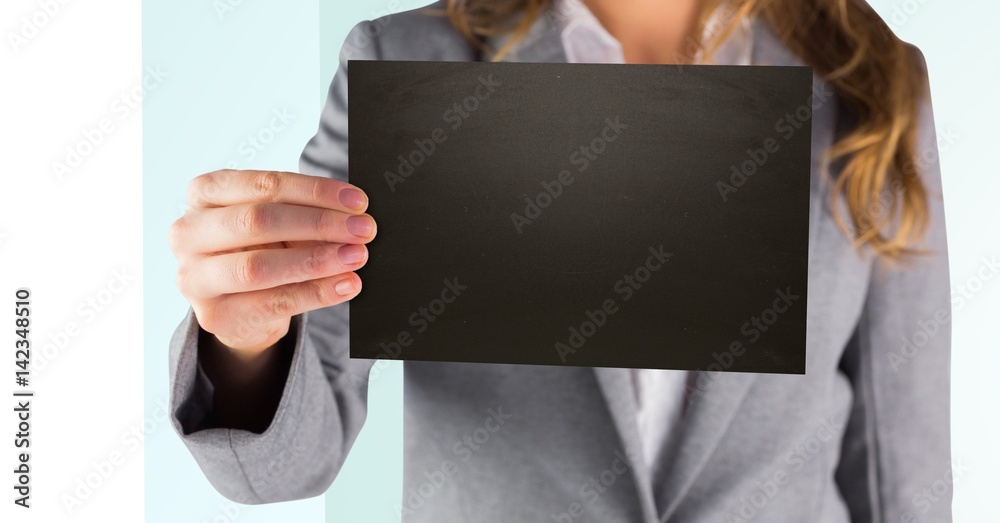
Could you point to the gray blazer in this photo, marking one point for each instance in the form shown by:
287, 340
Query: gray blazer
863, 436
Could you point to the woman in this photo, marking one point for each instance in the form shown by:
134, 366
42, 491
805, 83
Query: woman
267, 400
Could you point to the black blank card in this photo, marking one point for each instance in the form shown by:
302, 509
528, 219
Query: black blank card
647, 216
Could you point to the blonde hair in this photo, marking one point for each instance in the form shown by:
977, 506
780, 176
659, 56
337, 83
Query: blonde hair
876, 76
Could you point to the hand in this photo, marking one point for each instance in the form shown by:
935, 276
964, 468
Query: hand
258, 247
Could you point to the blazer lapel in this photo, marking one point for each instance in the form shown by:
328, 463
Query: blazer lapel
714, 399
616, 385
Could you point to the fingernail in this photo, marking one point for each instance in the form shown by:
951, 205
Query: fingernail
361, 226
351, 254
353, 199
345, 287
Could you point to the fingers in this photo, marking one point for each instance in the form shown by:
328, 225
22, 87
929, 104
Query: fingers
232, 187
246, 225
268, 305
258, 269
244, 293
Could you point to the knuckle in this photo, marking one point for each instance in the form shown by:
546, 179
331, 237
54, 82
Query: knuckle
317, 188
317, 260
326, 223
282, 303
323, 292
312, 265
250, 269
176, 232
198, 187
253, 220
265, 185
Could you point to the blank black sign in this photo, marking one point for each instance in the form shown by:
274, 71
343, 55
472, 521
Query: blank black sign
647, 216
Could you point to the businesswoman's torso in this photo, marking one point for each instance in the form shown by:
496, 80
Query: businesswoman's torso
857, 438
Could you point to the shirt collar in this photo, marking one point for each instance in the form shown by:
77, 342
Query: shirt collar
585, 40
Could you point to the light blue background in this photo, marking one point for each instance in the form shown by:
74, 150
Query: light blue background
227, 71
226, 75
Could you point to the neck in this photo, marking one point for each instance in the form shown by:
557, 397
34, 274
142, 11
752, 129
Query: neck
652, 31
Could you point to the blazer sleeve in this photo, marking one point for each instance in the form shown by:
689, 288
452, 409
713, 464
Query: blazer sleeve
896, 463
324, 400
